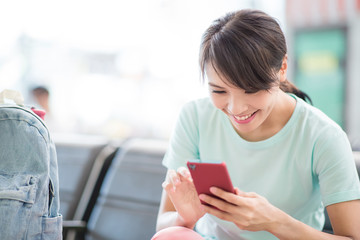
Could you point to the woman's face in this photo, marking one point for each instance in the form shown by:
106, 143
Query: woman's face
248, 112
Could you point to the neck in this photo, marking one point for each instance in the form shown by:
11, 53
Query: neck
277, 119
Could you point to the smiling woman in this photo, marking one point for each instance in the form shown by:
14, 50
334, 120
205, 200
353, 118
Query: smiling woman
286, 159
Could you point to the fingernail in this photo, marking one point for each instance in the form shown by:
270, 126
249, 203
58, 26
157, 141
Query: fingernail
176, 181
187, 174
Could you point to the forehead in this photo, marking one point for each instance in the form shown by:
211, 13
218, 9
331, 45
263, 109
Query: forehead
215, 77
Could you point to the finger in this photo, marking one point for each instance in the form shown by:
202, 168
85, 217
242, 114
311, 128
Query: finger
238, 192
250, 194
238, 198
217, 203
245, 194
184, 172
216, 212
227, 196
166, 185
207, 199
173, 178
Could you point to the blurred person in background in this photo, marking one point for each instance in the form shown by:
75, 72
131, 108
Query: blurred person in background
41, 97
287, 159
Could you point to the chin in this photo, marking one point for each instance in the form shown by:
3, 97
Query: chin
242, 128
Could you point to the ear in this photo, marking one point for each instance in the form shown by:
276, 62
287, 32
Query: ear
283, 69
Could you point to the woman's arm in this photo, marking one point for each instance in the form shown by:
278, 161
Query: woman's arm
252, 212
167, 216
345, 220
180, 205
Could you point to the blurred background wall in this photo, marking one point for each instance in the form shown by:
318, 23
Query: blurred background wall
125, 68
323, 39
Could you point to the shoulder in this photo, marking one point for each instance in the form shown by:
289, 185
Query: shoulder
201, 116
198, 109
316, 121
325, 135
199, 105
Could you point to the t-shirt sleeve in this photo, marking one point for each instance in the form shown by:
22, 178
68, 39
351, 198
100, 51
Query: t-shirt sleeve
335, 168
184, 140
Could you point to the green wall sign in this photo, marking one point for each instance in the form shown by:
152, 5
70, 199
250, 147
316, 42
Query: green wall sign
320, 69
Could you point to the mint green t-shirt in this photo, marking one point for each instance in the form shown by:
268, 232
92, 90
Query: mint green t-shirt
307, 165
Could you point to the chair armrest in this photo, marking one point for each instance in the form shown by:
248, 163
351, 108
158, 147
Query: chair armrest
74, 225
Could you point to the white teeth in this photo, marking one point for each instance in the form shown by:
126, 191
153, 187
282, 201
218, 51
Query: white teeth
243, 117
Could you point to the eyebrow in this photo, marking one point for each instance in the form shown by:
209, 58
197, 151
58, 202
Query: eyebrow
214, 85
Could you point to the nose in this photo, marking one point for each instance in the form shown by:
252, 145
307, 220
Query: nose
236, 106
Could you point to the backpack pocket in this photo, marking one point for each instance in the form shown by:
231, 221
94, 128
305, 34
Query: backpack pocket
17, 196
52, 228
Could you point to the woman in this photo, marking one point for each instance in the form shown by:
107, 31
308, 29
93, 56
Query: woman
286, 158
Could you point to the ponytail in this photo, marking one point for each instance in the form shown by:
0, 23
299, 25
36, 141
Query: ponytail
289, 87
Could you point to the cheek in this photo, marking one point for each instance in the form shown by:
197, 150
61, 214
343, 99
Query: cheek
218, 101
259, 103
264, 101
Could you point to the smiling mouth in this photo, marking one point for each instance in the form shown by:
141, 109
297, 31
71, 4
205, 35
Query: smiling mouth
244, 118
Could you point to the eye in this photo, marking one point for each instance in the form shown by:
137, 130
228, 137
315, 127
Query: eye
218, 92
252, 91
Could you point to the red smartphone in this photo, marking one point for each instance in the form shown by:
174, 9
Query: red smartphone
206, 175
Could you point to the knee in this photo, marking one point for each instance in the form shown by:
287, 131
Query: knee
177, 233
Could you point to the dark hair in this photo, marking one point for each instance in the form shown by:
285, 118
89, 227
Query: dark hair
40, 90
247, 47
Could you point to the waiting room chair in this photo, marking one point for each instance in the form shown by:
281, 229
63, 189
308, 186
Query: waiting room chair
76, 227
76, 156
130, 196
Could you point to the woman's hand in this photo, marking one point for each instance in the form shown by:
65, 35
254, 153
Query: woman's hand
248, 211
182, 193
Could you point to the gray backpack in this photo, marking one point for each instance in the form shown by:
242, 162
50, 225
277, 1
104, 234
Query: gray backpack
29, 192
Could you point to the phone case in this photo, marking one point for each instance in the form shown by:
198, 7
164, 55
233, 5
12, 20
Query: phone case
206, 175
